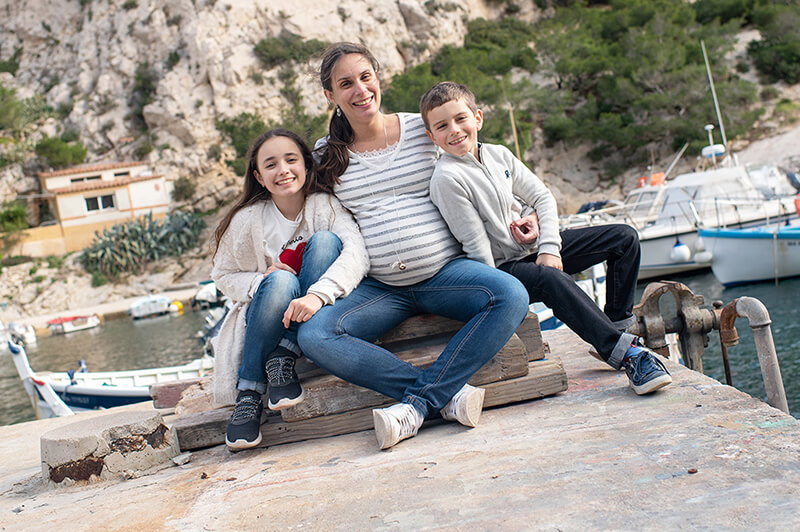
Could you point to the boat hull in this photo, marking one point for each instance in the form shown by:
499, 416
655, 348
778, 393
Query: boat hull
656, 250
754, 255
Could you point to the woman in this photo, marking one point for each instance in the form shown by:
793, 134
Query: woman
379, 167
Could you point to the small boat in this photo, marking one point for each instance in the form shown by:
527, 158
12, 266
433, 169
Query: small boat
208, 296
150, 306
73, 323
22, 333
5, 336
754, 254
64, 393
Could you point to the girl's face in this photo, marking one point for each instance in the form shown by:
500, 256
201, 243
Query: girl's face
355, 87
280, 167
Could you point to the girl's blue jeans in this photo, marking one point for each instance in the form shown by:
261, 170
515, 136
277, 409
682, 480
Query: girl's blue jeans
265, 331
339, 338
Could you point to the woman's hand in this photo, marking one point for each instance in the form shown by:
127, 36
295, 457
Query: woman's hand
525, 231
301, 309
546, 259
278, 265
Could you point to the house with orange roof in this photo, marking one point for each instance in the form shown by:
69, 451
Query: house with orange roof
89, 198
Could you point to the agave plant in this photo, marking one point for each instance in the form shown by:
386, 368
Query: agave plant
130, 246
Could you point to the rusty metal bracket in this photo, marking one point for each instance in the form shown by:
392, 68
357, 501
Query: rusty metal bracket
691, 322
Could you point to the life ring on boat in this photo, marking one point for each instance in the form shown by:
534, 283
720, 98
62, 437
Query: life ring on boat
797, 203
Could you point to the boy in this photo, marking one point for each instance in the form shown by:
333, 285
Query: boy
474, 186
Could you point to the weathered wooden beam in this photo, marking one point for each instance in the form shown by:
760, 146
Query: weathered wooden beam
328, 395
204, 429
531, 335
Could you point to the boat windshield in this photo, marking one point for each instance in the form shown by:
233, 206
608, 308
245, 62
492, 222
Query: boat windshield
639, 203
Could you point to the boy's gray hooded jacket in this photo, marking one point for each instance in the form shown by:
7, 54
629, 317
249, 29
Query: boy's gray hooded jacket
476, 198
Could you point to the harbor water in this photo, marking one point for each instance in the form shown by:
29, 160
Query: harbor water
170, 340
113, 345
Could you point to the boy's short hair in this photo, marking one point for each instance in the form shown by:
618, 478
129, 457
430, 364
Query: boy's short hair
440, 94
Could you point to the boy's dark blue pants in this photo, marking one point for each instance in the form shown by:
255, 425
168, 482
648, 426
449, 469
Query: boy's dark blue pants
618, 245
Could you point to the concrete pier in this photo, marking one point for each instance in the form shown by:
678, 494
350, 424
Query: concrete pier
696, 455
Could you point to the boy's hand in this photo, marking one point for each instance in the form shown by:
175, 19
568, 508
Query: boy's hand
546, 259
525, 230
278, 265
301, 309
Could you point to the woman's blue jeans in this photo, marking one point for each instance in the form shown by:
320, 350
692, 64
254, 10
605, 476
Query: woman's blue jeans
265, 331
490, 302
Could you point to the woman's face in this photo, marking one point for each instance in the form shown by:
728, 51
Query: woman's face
280, 167
355, 88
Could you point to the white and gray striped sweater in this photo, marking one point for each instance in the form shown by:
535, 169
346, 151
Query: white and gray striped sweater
392, 205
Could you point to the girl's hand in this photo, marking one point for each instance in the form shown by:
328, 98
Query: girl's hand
546, 259
301, 309
278, 265
525, 230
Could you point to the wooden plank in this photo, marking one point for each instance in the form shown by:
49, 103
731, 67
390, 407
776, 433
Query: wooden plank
330, 395
545, 377
420, 327
205, 429
167, 394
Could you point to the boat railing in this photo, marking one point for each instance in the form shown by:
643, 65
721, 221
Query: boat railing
712, 212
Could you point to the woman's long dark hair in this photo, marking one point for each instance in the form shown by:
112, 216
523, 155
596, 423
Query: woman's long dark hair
333, 158
253, 191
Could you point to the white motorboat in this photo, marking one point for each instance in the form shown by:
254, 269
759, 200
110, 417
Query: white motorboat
64, 393
756, 254
668, 214
150, 306
71, 324
22, 333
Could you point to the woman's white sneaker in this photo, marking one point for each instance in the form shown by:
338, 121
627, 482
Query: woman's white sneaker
396, 423
465, 406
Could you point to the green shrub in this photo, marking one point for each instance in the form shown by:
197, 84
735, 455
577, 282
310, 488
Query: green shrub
11, 110
59, 154
183, 189
38, 279
145, 146
127, 248
777, 54
55, 262
286, 47
11, 64
13, 216
173, 59
99, 279
130, 4
33, 270
144, 87
241, 131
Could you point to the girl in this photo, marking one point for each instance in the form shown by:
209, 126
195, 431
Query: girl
283, 251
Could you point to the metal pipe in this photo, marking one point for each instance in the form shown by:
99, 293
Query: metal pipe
758, 316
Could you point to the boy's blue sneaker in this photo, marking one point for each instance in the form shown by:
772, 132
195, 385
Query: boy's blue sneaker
645, 371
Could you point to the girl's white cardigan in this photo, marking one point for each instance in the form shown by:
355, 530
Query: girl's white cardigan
241, 261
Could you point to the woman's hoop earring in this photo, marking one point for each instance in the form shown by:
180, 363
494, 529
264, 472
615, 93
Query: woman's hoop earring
338, 111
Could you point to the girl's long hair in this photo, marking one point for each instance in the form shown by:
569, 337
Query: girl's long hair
333, 157
253, 191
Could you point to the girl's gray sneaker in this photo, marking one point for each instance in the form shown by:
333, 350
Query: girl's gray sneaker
244, 427
284, 386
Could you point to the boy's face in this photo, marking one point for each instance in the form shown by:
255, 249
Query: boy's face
454, 127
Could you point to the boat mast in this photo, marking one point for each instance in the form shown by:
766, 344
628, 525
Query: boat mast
714, 96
